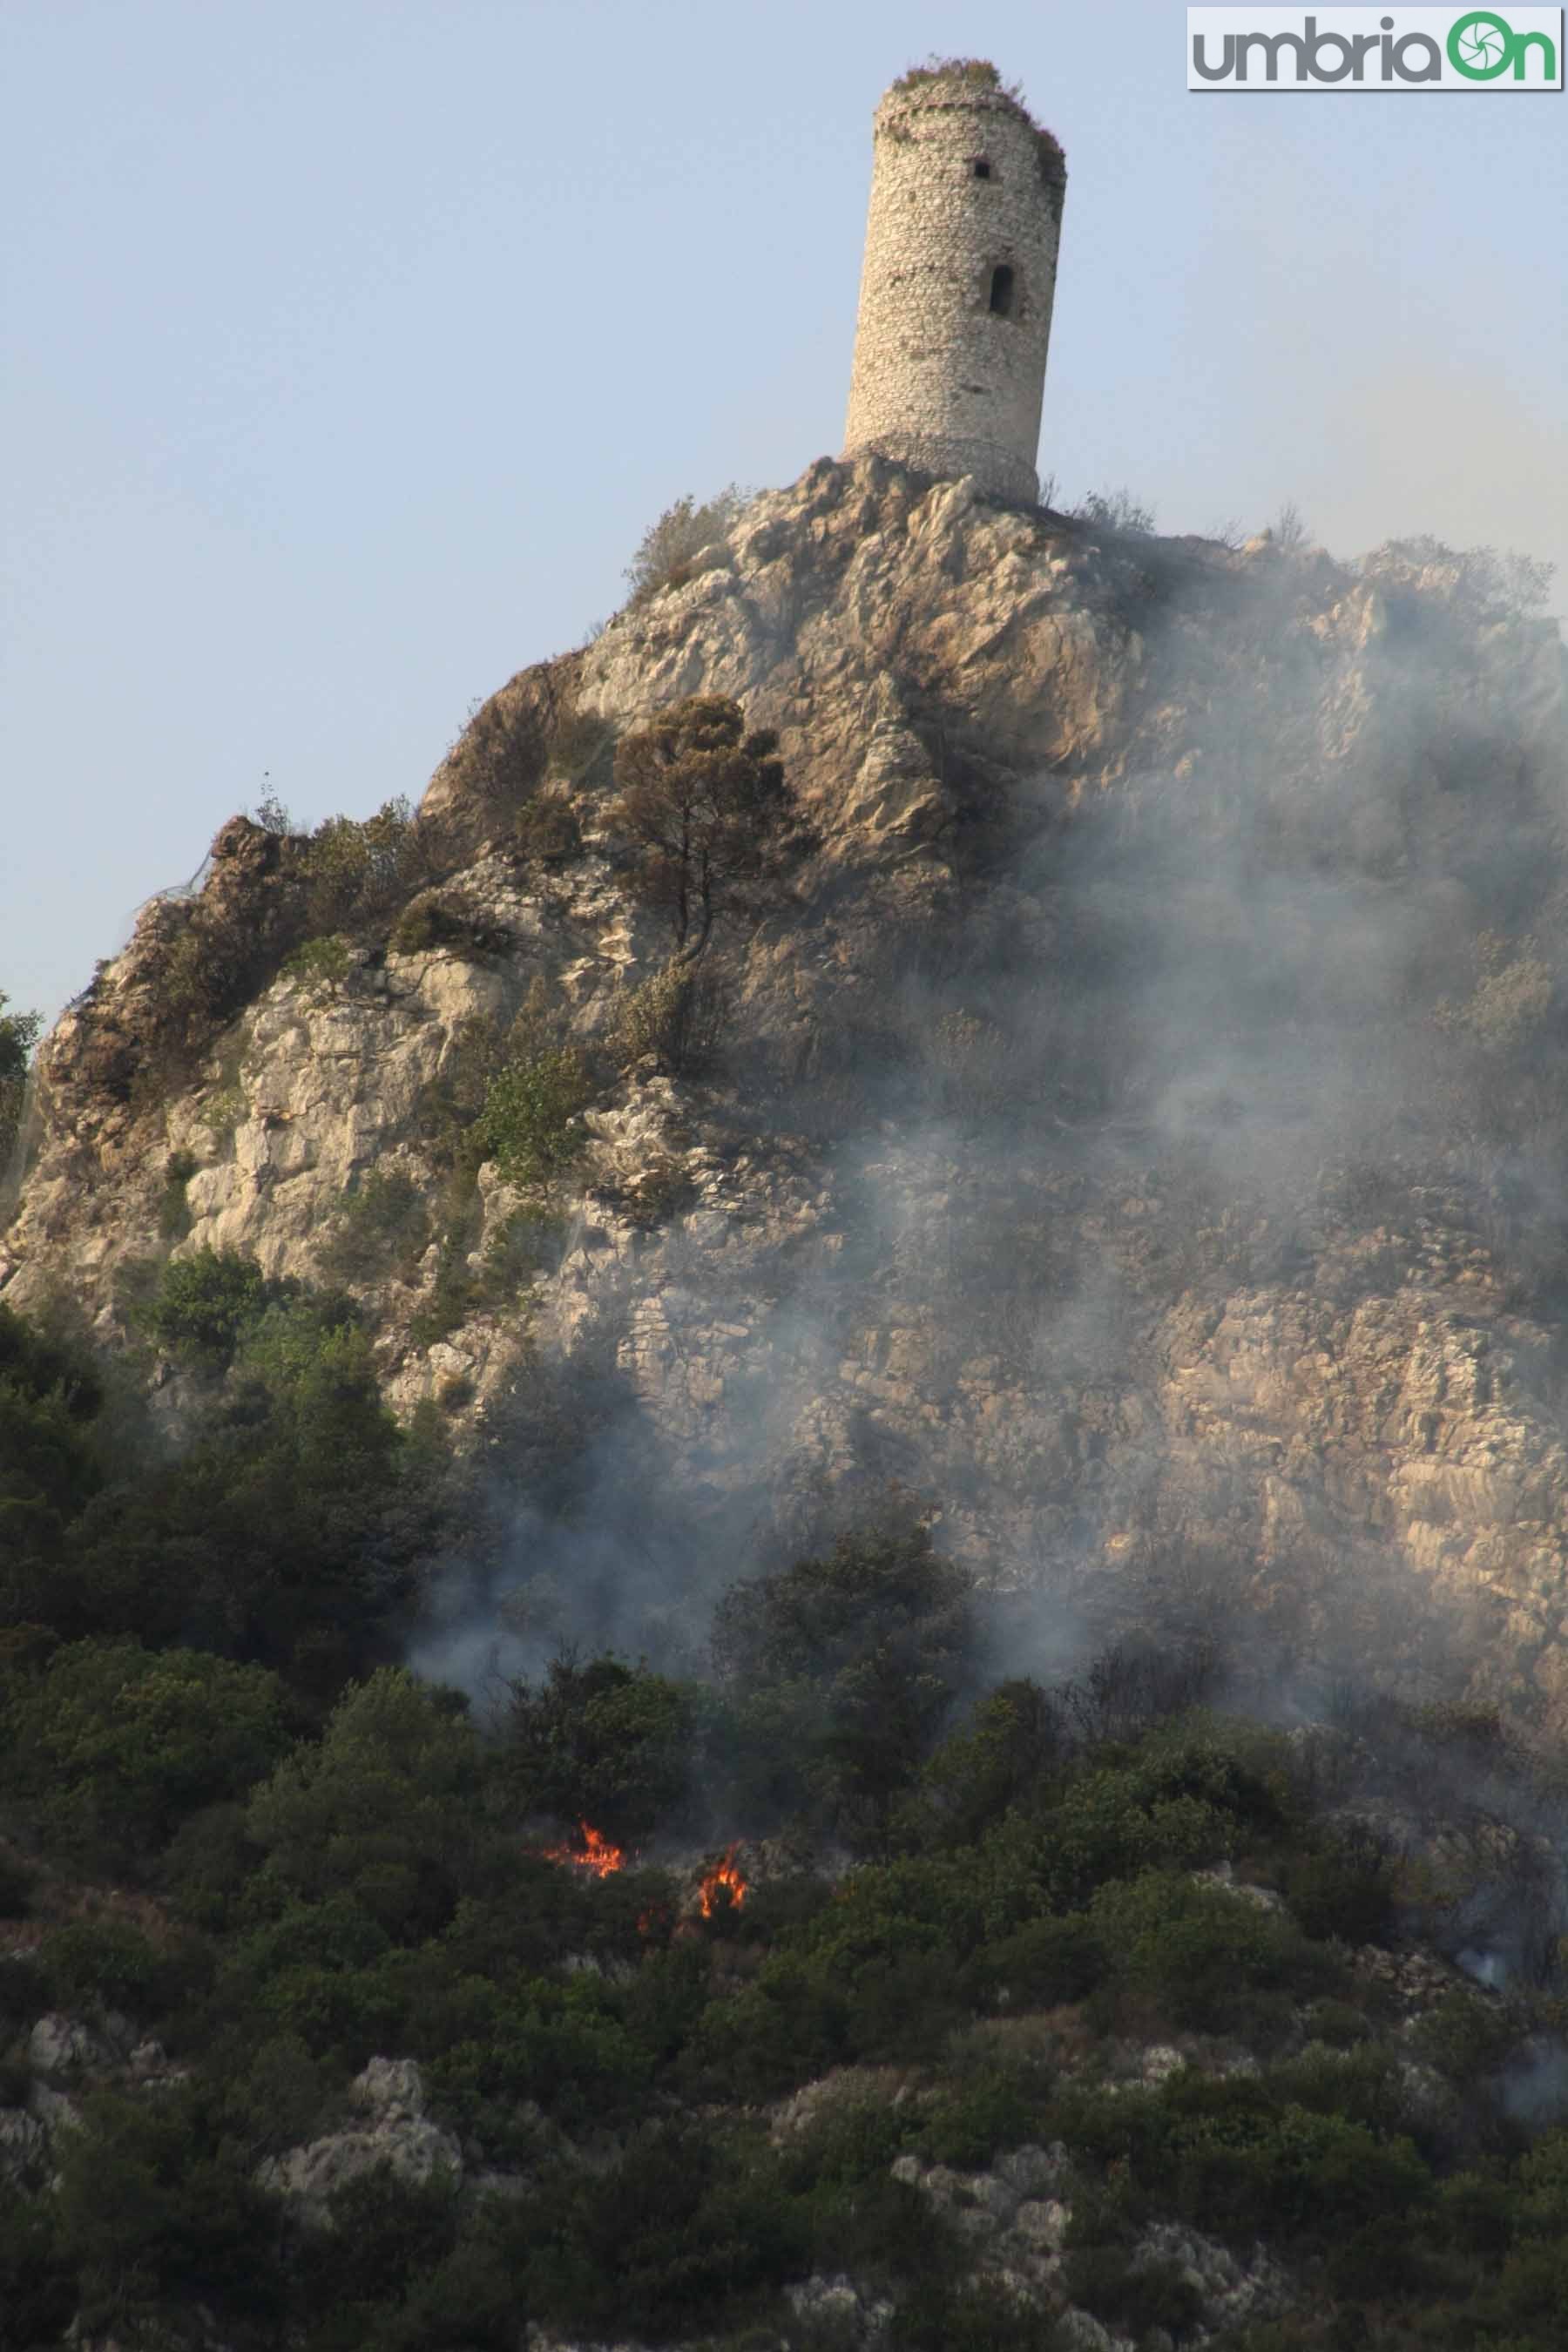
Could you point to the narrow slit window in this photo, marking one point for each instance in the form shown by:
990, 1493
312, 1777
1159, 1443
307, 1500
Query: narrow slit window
982, 168
1002, 291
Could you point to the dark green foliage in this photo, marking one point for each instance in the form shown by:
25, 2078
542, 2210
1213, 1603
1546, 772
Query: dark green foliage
843, 1670
604, 1742
548, 829
49, 1465
1345, 1887
1000, 1757
383, 1226
433, 926
204, 1302
285, 1534
993, 2105
111, 1964
382, 1811
113, 1746
23, 1994
970, 2315
704, 806
385, 2233
1042, 1963
18, 1880
1130, 2297
531, 1125
19, 1035
174, 1211
681, 2233
1197, 1952
38, 2284
150, 2204
1232, 2156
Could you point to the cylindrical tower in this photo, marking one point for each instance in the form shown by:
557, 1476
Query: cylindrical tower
958, 280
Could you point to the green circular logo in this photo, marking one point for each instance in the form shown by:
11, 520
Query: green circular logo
1480, 45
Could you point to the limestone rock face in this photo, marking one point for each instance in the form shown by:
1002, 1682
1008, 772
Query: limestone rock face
1096, 1151
395, 2132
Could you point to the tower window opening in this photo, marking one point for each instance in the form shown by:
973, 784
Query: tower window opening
982, 168
1002, 291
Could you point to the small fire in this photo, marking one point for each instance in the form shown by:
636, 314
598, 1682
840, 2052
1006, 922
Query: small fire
723, 1873
595, 1853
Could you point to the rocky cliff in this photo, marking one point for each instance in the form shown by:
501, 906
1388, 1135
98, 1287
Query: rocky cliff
1132, 1129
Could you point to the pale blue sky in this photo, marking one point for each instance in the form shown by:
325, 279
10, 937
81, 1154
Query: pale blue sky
350, 346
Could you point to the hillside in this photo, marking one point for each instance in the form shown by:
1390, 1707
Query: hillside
820, 1602
1133, 1129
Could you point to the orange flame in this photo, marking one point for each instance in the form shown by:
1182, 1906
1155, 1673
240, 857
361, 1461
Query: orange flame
723, 1873
595, 1853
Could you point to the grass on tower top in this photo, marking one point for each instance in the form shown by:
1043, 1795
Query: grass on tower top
980, 74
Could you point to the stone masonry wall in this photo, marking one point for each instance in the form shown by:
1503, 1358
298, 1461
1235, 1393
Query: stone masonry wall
940, 381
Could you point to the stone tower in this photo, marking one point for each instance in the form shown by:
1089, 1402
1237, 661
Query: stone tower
958, 279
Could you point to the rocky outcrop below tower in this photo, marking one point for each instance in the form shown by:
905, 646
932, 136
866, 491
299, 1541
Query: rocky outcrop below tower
1132, 1132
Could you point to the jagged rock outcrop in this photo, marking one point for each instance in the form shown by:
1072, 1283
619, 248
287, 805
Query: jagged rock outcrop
1030, 1180
395, 2132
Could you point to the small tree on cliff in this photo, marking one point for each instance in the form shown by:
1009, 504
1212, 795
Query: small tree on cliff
18, 1034
704, 804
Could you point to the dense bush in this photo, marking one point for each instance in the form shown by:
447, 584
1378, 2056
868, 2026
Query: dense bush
205, 1301
531, 1125
603, 1741
382, 1226
703, 807
843, 1670
113, 1746
318, 1859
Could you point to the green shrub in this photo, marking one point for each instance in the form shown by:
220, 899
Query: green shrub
843, 1669
205, 1303
173, 1209
39, 2283
385, 1223
224, 1110
115, 1745
1467, 2035
383, 1811
23, 1994
547, 829
430, 924
604, 1742
993, 2106
1042, 1963
970, 2315
530, 1242
384, 2232
111, 1962
321, 965
1132, 2296
18, 1880
148, 2205
1227, 2155
1199, 1951
531, 1125
1346, 1888
358, 870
